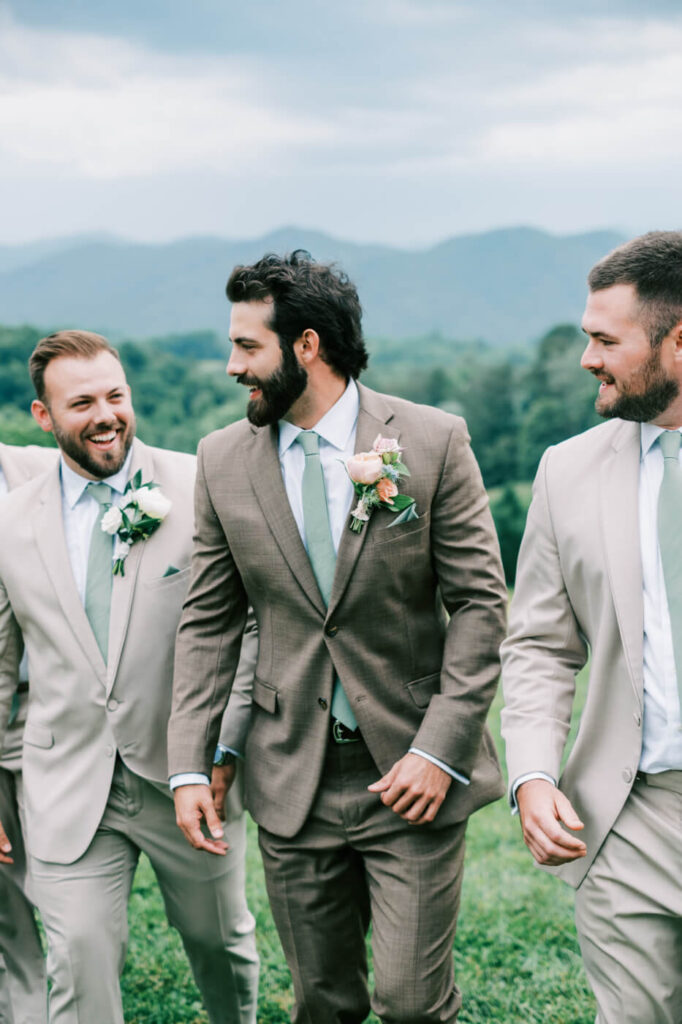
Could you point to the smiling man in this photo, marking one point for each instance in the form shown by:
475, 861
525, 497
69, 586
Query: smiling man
367, 748
600, 575
100, 651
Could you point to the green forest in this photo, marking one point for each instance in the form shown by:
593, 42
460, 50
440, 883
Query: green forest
516, 401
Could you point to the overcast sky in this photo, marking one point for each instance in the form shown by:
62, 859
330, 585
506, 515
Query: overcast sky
399, 121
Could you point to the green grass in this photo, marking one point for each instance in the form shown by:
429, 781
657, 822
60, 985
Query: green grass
516, 953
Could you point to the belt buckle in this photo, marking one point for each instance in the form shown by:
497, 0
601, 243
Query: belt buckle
337, 733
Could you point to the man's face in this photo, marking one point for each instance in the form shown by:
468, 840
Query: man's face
274, 375
636, 380
88, 409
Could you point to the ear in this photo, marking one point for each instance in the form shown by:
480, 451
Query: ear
307, 347
41, 414
676, 335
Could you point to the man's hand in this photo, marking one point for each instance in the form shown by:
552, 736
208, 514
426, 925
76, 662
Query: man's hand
222, 778
5, 847
414, 788
542, 807
192, 804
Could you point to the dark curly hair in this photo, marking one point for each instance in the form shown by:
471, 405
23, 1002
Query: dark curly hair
307, 296
651, 263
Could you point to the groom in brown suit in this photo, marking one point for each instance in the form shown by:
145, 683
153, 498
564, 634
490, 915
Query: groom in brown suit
367, 749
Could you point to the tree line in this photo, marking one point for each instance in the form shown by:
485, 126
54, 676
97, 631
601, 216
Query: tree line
516, 401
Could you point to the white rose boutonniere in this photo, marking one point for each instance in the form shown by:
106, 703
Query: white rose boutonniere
142, 511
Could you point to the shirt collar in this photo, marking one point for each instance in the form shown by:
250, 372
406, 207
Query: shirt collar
335, 427
73, 484
648, 436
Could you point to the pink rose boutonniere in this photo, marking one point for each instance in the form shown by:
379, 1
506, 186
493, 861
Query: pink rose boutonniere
375, 477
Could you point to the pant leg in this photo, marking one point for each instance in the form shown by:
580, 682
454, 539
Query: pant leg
629, 912
23, 982
205, 900
84, 909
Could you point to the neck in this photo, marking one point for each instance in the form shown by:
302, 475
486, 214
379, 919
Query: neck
316, 401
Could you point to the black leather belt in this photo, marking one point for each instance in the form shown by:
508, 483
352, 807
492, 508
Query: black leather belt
340, 733
22, 688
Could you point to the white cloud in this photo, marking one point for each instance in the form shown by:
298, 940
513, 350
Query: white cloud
104, 108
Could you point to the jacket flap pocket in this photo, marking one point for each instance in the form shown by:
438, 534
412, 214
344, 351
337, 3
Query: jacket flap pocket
422, 690
38, 736
264, 695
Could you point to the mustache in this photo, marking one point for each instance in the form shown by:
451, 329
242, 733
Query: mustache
605, 377
250, 382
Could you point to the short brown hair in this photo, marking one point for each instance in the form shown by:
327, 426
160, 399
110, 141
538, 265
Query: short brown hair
652, 264
81, 344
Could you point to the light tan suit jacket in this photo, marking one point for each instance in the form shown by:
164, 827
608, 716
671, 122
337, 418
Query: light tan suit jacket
579, 591
412, 677
81, 710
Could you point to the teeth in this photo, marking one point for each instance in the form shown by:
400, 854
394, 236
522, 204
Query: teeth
103, 437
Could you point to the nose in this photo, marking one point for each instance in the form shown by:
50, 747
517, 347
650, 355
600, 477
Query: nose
103, 412
591, 358
235, 364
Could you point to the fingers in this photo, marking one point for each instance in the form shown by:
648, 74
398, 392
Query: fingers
384, 782
194, 804
5, 847
414, 789
543, 809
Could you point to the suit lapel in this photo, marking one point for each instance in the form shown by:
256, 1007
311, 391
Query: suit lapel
266, 478
374, 414
619, 497
51, 543
124, 586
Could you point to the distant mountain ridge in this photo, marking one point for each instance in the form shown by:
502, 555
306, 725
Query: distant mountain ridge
506, 286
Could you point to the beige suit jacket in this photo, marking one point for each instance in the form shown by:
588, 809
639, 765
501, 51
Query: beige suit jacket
579, 590
411, 676
82, 711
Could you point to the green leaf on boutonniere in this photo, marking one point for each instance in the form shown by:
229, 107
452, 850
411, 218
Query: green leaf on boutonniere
401, 468
401, 502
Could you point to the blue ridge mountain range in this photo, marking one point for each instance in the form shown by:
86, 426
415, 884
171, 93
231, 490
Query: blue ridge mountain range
504, 287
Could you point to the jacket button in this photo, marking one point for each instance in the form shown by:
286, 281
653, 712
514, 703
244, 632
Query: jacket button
109, 751
322, 701
112, 704
627, 775
332, 630
638, 718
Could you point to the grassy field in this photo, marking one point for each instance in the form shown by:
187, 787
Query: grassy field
516, 953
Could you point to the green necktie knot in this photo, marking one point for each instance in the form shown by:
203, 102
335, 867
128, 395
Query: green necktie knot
669, 442
309, 442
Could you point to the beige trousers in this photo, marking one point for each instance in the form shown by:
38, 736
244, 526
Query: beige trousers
84, 910
356, 861
23, 983
629, 909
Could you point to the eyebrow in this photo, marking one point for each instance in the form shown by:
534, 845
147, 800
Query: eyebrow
599, 334
242, 341
88, 398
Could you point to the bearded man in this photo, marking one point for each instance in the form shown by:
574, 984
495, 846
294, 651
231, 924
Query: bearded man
600, 575
367, 748
100, 647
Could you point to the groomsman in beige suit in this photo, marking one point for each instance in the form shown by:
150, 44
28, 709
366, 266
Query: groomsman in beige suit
367, 749
600, 575
100, 650
23, 984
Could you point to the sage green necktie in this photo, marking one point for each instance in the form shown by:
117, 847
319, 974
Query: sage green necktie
320, 547
670, 539
99, 578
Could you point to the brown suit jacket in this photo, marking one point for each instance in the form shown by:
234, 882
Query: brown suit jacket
412, 676
579, 589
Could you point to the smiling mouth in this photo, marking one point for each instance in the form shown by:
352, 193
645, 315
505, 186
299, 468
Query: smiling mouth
104, 440
255, 393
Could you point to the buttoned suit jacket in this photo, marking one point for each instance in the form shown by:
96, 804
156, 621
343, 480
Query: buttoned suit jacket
412, 677
579, 591
81, 710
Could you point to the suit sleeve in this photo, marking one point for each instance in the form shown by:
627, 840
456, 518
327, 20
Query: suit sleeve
208, 642
544, 650
235, 722
11, 647
466, 559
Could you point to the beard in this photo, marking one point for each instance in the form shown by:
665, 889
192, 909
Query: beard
279, 391
97, 464
642, 398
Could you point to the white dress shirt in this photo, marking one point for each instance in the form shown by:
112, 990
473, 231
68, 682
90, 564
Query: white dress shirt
336, 430
661, 732
80, 511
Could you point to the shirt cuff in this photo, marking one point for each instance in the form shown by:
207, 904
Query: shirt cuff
441, 764
189, 779
222, 749
520, 781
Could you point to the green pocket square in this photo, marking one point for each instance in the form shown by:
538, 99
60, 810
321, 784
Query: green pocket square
406, 516
170, 571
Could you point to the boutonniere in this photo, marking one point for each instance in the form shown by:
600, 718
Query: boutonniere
143, 509
375, 477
